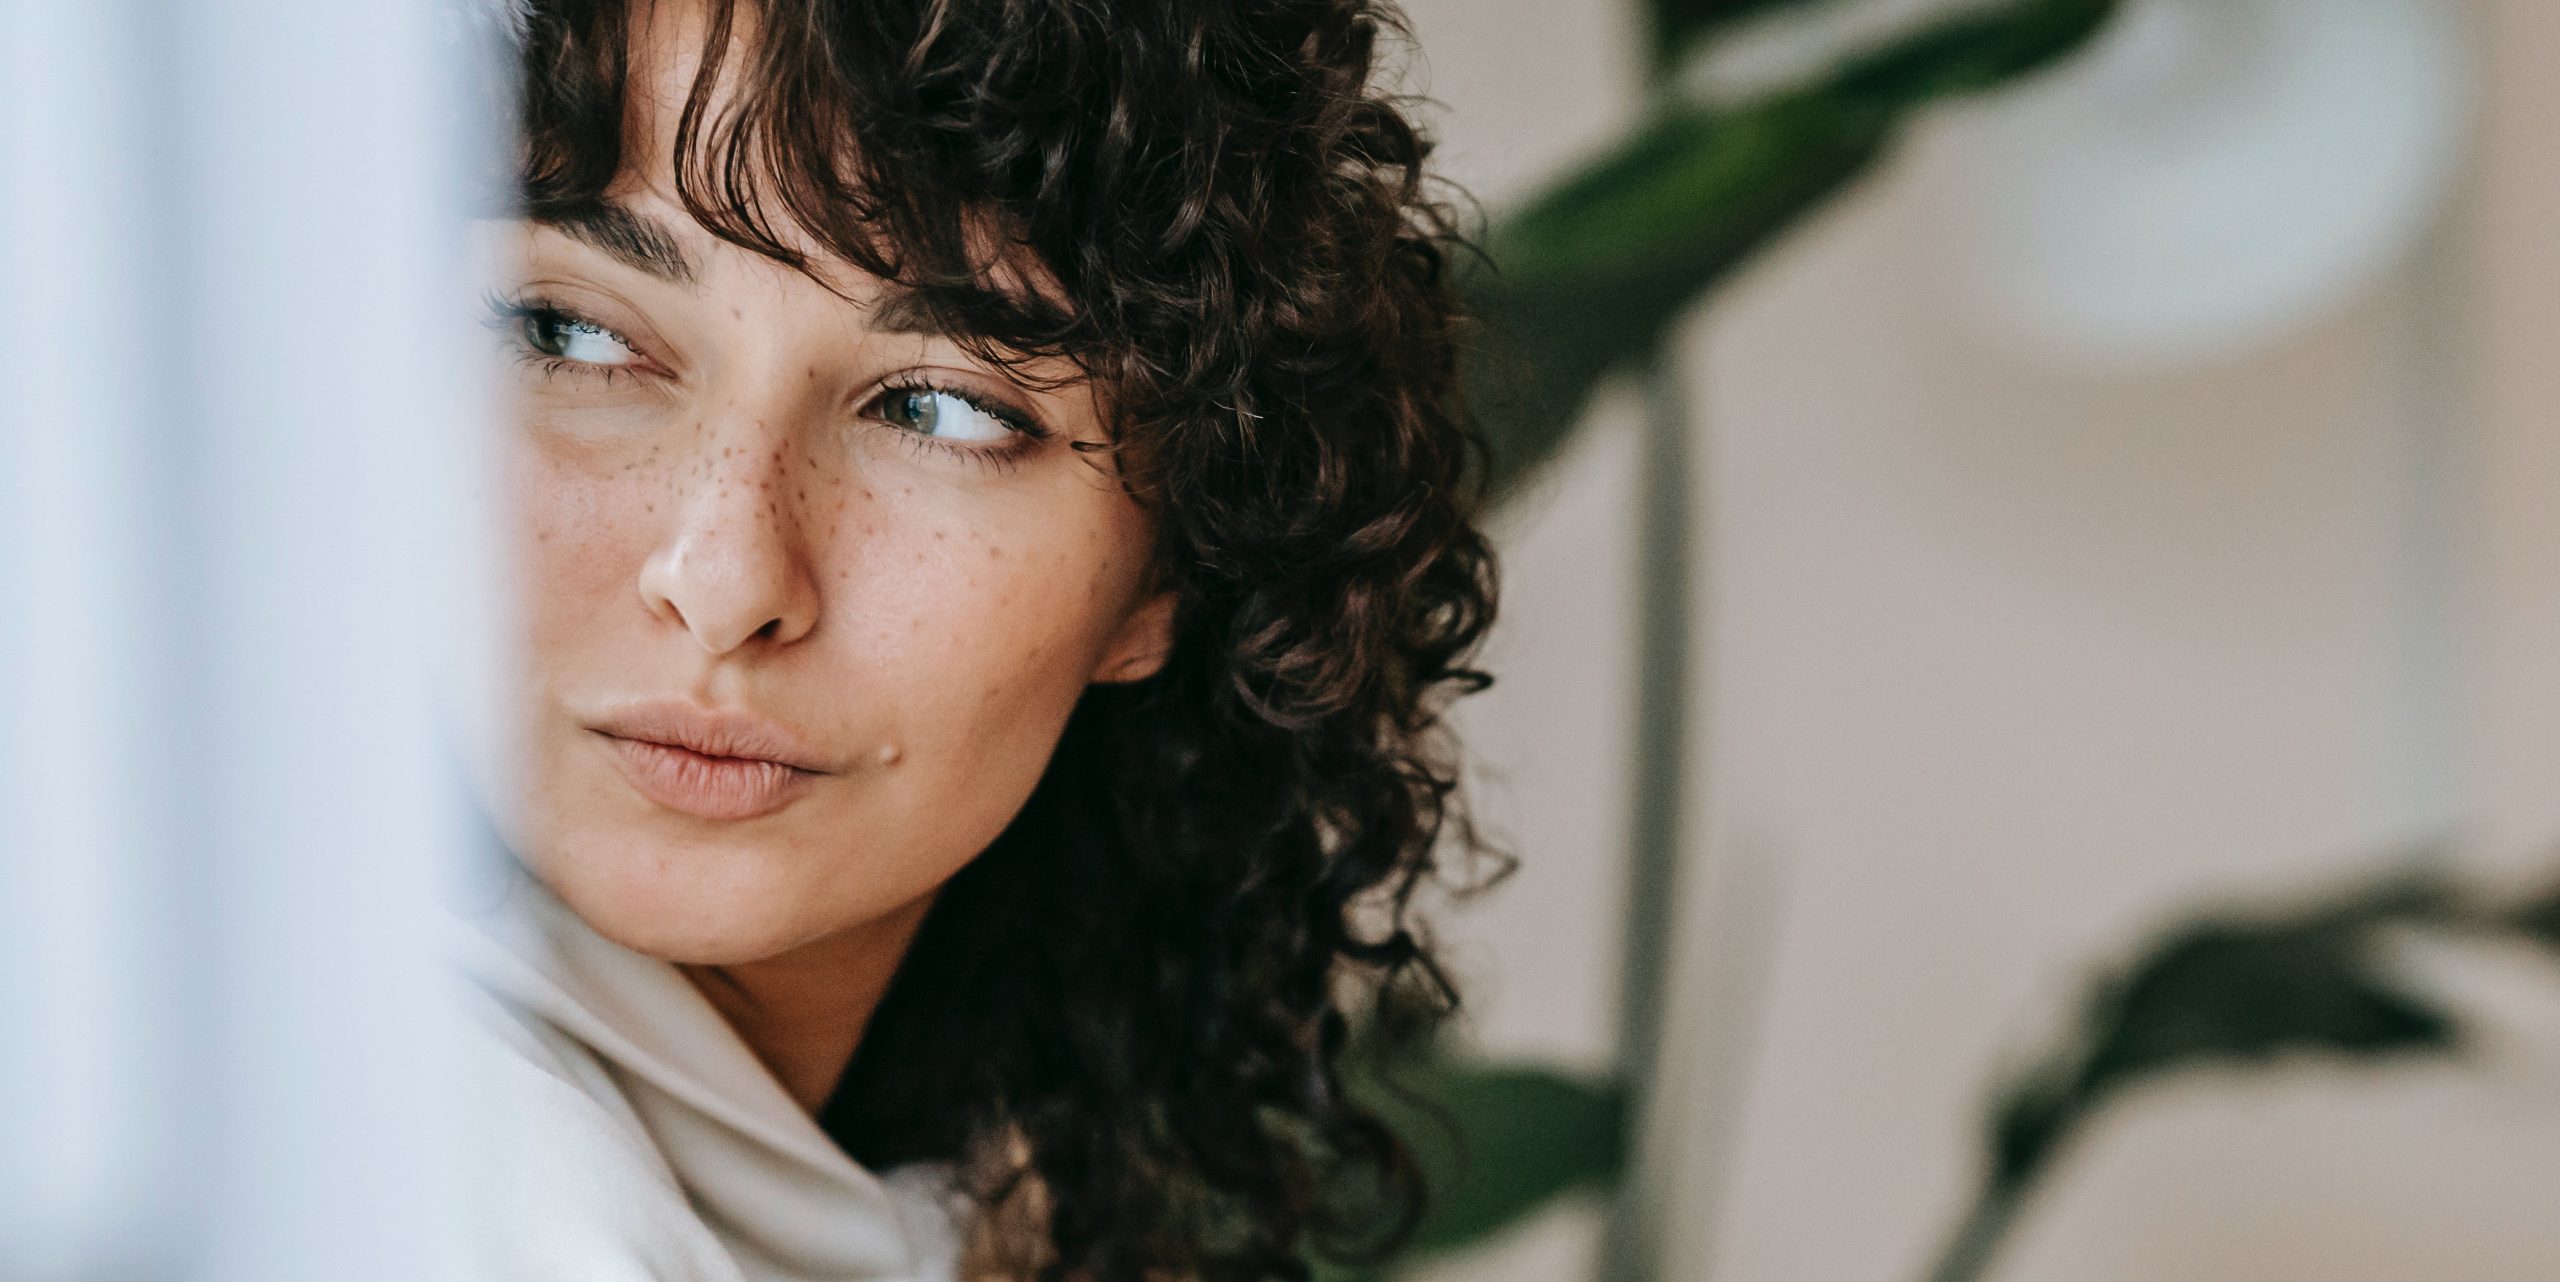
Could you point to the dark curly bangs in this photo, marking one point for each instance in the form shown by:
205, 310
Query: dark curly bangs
1125, 1020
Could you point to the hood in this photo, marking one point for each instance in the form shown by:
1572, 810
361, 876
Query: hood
779, 1194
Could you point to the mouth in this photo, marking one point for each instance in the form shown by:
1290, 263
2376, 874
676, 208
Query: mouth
709, 764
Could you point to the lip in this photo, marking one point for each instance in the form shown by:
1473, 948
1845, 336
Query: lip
709, 763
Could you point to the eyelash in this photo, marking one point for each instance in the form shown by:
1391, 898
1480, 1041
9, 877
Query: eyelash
508, 317
1001, 456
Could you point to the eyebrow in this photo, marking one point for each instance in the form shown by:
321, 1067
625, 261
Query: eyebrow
645, 245
637, 241
903, 311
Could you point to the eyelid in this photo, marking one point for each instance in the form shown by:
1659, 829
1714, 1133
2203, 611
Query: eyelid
1021, 418
507, 309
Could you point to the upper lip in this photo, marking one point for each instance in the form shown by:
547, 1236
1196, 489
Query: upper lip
713, 732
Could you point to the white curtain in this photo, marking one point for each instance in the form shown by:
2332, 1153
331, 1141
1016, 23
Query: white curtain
234, 455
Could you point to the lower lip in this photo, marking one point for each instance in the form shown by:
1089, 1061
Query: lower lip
726, 788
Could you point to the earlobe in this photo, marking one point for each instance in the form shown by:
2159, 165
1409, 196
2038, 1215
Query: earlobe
1137, 651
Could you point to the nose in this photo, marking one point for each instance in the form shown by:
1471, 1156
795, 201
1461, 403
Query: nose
733, 567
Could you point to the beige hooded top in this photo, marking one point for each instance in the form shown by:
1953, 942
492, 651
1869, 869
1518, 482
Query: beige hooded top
629, 1135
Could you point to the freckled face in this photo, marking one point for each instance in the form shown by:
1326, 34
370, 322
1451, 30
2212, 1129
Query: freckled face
745, 494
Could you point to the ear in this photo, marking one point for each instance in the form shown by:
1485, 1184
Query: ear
1137, 650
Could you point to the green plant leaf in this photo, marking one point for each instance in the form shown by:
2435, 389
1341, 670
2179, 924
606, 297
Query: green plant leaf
2218, 990
2226, 989
1588, 278
2539, 918
1677, 24
1975, 53
1496, 1142
1590, 275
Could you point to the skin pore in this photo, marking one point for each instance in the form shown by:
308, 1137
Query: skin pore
738, 491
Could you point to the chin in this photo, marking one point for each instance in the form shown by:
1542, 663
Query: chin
698, 903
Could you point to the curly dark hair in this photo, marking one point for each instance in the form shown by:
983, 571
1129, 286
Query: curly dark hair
1127, 1018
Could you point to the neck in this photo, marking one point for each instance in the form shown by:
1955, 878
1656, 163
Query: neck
802, 1012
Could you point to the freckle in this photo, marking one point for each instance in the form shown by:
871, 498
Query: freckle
889, 754
737, 314
937, 534
994, 553
653, 507
804, 495
813, 373
866, 491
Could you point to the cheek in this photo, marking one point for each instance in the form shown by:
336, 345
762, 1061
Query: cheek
579, 533
996, 630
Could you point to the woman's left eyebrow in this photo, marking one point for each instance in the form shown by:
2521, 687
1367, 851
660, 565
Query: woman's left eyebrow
903, 311
634, 240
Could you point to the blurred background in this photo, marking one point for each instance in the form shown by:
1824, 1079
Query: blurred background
2131, 498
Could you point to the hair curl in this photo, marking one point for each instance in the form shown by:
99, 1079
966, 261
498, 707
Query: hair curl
1129, 1014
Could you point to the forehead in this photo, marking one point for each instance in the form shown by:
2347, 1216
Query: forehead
669, 42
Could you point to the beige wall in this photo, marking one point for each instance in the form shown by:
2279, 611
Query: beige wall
2007, 664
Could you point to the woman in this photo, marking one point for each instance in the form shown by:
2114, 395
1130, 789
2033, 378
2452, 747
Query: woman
996, 532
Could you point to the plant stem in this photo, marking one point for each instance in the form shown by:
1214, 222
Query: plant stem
1976, 1243
1665, 541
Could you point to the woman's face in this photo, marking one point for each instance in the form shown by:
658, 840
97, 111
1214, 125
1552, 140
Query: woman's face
809, 593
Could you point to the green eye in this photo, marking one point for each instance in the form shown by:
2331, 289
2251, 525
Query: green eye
555, 344
943, 415
562, 336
